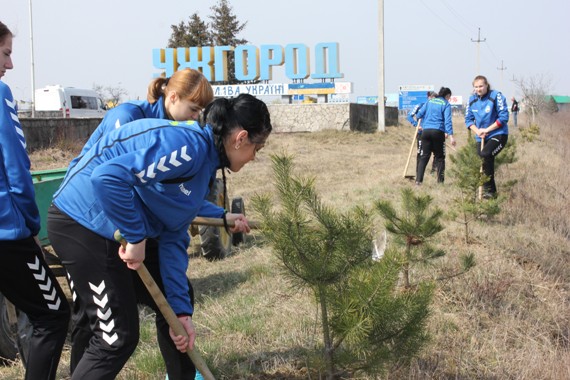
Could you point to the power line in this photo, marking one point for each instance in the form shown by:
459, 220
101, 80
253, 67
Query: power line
439, 17
458, 16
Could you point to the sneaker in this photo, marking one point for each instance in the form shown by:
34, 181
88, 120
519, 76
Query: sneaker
198, 376
488, 195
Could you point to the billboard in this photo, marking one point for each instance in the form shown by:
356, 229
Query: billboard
413, 94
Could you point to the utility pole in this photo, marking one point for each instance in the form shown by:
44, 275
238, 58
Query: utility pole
381, 91
32, 66
502, 68
478, 40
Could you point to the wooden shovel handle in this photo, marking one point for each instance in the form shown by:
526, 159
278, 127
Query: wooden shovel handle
481, 170
219, 222
168, 313
412, 148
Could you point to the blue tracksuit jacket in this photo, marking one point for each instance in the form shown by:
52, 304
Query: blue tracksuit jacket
436, 114
19, 216
122, 114
125, 182
484, 111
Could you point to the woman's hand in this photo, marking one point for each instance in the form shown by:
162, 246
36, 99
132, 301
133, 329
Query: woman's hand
452, 140
181, 342
481, 132
133, 255
239, 221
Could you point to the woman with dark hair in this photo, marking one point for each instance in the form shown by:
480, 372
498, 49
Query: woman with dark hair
436, 126
25, 278
487, 115
181, 97
147, 179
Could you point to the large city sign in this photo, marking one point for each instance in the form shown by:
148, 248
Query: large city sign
253, 63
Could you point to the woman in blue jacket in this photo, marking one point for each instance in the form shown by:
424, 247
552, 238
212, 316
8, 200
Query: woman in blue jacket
487, 115
436, 126
25, 278
181, 97
147, 179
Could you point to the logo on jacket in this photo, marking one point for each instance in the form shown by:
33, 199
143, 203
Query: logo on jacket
184, 190
487, 109
165, 164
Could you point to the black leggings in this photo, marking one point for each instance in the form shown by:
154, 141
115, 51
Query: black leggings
106, 294
419, 151
493, 146
433, 140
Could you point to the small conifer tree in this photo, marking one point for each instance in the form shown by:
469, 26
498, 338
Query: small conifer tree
413, 228
468, 178
366, 322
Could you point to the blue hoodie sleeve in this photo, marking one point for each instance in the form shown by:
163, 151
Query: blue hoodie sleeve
422, 111
413, 113
469, 117
502, 109
173, 260
16, 167
210, 210
447, 119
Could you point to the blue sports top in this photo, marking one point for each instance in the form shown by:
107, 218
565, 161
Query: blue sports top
19, 215
122, 114
436, 114
485, 110
148, 179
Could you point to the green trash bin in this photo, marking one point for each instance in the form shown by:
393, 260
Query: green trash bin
46, 183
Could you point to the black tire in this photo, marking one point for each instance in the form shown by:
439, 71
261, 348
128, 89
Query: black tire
216, 242
14, 338
238, 207
8, 335
25, 330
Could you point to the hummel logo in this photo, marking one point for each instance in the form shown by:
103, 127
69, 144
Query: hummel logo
164, 164
49, 292
110, 339
184, 190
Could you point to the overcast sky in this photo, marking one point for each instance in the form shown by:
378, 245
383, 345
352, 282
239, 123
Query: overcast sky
427, 42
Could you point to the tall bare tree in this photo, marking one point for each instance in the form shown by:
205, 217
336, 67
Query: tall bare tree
111, 95
535, 90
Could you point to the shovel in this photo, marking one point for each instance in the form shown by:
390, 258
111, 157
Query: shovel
411, 150
481, 171
168, 313
163, 305
218, 222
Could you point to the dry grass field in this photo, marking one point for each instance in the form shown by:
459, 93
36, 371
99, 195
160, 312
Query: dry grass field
507, 318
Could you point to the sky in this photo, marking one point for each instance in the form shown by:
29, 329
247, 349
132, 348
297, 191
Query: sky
426, 42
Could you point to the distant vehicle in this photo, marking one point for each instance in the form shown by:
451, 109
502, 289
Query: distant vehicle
70, 101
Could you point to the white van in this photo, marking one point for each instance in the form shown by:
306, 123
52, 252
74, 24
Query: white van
70, 101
